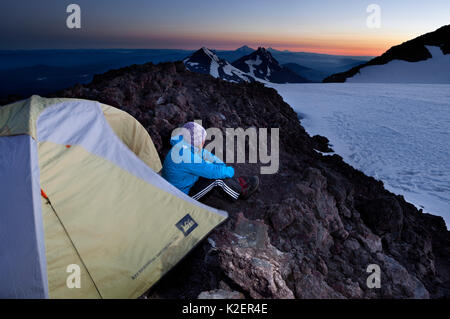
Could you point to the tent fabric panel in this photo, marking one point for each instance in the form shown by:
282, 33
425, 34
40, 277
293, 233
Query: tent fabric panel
95, 135
60, 253
81, 122
128, 232
15, 119
20, 117
133, 135
22, 249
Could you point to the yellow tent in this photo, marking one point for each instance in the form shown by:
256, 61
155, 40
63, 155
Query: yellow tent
83, 212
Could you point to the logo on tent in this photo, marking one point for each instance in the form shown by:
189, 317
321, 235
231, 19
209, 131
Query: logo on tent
187, 224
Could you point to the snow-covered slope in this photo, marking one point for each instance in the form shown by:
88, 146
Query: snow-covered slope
261, 64
397, 133
433, 70
206, 62
425, 59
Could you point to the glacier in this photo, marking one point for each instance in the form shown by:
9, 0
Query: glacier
433, 70
397, 133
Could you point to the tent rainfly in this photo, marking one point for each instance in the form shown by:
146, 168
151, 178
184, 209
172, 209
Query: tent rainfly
83, 212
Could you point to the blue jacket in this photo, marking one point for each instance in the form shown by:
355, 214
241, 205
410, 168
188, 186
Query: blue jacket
184, 164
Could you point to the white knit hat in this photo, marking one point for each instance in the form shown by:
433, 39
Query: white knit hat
194, 134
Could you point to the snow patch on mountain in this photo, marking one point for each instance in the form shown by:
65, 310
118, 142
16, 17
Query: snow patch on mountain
257, 66
433, 70
206, 61
261, 64
252, 63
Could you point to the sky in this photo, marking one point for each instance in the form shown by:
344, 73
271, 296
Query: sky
322, 26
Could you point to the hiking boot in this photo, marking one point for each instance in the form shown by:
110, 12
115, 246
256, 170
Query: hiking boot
248, 186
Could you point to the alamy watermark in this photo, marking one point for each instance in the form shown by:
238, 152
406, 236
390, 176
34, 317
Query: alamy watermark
73, 21
374, 279
74, 279
235, 146
373, 21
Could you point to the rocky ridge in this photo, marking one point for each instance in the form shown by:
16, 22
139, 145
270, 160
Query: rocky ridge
310, 231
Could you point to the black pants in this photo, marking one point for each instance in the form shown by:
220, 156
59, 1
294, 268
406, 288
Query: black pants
229, 186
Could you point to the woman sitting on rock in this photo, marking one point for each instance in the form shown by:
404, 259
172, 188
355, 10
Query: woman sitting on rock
195, 171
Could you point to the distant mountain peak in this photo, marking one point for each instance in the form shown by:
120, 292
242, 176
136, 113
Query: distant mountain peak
266, 54
262, 50
205, 61
270, 49
261, 64
209, 53
244, 48
258, 65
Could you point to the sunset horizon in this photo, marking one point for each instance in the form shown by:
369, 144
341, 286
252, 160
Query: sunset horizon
345, 45
297, 26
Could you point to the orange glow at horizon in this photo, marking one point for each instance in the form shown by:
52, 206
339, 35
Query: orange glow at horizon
368, 44
336, 44
342, 49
